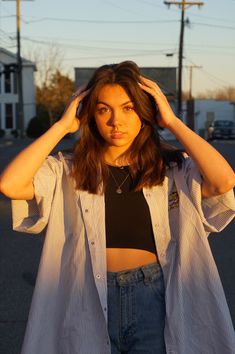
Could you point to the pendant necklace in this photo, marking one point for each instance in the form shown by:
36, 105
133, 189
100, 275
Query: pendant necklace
118, 190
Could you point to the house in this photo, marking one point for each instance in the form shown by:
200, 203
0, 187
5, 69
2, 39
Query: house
9, 119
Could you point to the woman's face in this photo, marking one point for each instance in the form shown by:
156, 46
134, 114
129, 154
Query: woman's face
115, 117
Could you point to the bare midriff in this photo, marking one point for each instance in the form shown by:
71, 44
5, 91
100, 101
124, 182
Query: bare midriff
119, 259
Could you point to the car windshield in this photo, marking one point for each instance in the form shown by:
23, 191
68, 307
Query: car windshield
223, 123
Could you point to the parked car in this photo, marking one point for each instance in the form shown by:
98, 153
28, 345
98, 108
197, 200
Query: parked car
223, 129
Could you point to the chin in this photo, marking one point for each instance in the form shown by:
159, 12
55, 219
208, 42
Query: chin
120, 143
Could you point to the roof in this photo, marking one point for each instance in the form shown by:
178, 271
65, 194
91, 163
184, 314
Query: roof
13, 58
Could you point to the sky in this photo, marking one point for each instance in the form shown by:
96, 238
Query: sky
91, 33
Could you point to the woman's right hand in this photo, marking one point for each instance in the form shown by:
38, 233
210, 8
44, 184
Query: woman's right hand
69, 120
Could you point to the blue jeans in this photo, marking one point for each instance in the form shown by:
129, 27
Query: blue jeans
136, 310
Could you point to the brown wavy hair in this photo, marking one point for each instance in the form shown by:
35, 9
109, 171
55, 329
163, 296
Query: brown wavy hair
149, 153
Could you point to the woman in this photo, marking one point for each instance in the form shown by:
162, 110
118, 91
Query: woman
126, 266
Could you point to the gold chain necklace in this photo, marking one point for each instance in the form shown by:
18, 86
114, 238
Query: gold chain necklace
118, 190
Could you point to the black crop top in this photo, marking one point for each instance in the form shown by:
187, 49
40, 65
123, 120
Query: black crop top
127, 216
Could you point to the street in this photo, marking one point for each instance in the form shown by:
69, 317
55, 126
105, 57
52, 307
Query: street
20, 254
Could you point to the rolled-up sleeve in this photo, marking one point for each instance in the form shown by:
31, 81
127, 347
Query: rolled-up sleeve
216, 212
32, 215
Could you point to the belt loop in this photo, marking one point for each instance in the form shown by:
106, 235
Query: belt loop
147, 275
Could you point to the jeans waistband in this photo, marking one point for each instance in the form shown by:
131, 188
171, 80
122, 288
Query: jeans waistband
149, 272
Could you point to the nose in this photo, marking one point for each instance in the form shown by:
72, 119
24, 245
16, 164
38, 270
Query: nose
115, 119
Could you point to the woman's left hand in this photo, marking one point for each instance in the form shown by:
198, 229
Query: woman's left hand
166, 115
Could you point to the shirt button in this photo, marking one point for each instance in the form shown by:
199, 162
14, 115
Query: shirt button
162, 254
105, 309
98, 276
92, 242
86, 210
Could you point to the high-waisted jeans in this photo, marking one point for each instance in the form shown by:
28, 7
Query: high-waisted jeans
136, 310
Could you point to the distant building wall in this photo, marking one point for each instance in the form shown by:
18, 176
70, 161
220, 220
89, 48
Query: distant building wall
165, 77
207, 111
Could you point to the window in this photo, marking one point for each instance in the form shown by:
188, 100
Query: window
7, 82
8, 116
17, 126
15, 83
1, 125
1, 76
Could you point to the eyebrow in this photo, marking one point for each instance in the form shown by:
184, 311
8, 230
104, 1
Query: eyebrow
106, 104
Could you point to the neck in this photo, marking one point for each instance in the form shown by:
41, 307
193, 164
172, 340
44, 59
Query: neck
116, 158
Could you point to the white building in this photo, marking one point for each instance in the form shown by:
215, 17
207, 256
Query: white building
207, 111
8, 92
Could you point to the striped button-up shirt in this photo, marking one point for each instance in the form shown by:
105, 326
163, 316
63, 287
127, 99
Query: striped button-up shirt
68, 313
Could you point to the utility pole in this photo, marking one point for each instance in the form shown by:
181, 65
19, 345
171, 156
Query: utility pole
19, 71
20, 83
191, 67
183, 4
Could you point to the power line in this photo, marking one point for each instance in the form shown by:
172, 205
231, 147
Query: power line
183, 5
61, 39
98, 21
214, 26
98, 41
79, 46
215, 78
124, 9
128, 56
212, 18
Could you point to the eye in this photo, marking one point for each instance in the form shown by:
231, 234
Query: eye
102, 110
128, 108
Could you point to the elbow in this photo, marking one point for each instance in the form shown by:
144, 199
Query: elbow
227, 185
211, 190
3, 187
13, 191
6, 188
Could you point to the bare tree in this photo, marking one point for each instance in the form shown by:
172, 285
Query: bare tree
53, 87
48, 60
223, 94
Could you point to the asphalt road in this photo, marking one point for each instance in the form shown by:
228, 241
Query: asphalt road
20, 254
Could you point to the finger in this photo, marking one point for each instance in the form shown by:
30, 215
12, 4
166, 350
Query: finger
152, 91
77, 102
79, 96
84, 94
149, 83
79, 90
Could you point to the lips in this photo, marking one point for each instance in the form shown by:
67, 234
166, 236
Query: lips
117, 135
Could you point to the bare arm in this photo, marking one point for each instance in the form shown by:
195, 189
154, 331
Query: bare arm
16, 181
218, 176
